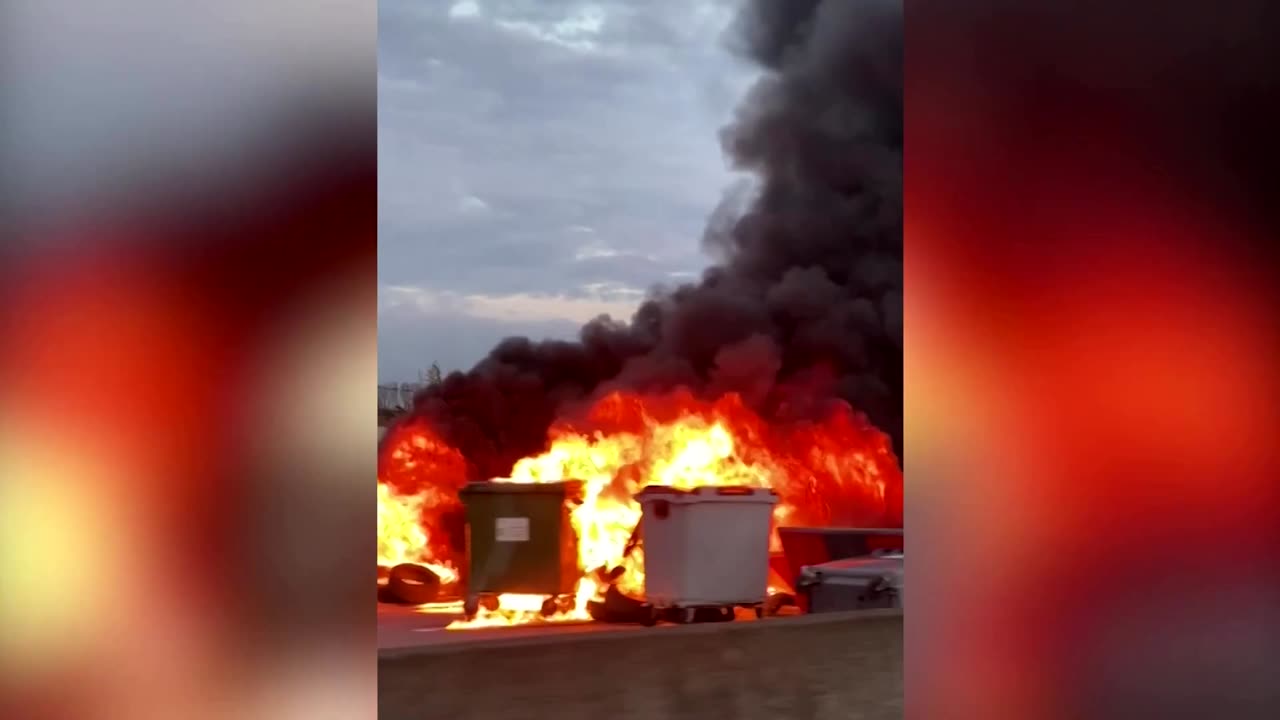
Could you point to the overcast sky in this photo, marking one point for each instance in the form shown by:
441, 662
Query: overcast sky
540, 162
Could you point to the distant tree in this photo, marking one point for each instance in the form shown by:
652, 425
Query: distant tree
433, 376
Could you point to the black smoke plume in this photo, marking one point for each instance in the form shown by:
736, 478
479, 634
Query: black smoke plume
807, 283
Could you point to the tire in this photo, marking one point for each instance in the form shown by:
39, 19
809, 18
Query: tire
759, 611
489, 602
549, 607
413, 584
470, 607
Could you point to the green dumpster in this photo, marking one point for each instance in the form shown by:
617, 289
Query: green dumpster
520, 540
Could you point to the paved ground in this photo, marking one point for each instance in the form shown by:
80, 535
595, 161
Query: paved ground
402, 627
836, 666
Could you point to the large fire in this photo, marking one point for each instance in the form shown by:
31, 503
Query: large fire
418, 481
402, 537
837, 471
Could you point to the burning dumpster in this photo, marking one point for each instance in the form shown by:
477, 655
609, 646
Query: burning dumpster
706, 548
520, 540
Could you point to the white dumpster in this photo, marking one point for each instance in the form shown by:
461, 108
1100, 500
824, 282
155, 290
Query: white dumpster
707, 547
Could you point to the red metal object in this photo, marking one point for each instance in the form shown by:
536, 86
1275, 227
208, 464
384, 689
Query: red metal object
780, 569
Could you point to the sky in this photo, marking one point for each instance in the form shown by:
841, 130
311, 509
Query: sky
541, 162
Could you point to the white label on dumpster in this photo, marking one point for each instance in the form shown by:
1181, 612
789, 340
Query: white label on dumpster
513, 529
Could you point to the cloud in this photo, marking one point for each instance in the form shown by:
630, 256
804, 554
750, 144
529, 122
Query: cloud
531, 149
472, 204
585, 303
577, 31
418, 326
409, 341
464, 9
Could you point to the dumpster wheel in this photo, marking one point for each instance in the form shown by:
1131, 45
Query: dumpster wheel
471, 606
549, 607
650, 616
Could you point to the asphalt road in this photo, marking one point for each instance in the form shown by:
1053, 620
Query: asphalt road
400, 627
403, 627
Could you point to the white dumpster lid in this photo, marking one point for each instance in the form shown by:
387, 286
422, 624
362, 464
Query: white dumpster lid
707, 493
886, 567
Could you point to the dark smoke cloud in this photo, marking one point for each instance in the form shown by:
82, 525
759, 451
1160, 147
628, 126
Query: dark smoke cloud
808, 278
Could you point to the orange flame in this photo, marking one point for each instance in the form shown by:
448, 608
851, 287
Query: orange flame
401, 535
519, 609
838, 471
409, 510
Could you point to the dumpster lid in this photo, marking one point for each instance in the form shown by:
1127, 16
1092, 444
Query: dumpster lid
707, 493
888, 566
497, 487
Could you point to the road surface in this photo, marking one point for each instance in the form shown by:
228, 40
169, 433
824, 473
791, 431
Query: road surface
404, 627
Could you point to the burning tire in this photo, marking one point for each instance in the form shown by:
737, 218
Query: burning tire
413, 584
384, 592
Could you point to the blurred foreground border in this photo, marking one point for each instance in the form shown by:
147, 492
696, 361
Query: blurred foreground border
188, 299
1091, 351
